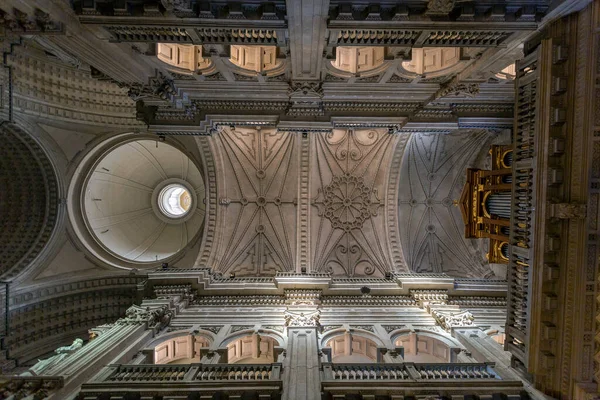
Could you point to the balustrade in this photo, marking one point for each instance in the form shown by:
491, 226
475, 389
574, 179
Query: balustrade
116, 379
230, 372
151, 373
408, 372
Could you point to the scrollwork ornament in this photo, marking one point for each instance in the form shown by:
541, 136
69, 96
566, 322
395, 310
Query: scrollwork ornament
294, 319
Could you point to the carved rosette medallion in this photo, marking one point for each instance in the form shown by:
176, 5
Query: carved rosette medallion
347, 202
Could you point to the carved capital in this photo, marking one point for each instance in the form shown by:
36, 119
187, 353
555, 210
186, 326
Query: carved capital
448, 320
302, 319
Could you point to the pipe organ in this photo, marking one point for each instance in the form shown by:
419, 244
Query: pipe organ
485, 203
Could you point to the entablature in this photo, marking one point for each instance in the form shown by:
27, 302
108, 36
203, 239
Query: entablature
322, 285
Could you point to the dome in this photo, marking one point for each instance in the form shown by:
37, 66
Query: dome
143, 201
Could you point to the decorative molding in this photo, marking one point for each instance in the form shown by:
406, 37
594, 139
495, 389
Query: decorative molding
226, 301
39, 23
213, 328
294, 319
399, 79
237, 328
458, 89
391, 328
276, 328
297, 297
383, 301
210, 222
328, 328
368, 328
449, 320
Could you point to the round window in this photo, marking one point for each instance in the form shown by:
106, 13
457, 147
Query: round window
174, 200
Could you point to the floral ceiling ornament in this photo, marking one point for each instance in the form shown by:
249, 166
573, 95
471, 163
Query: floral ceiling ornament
347, 202
302, 319
448, 320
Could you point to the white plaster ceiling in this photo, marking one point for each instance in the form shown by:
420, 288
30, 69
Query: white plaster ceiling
119, 196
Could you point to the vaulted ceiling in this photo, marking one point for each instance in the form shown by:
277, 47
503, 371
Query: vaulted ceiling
347, 202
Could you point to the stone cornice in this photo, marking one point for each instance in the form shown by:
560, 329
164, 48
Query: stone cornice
207, 283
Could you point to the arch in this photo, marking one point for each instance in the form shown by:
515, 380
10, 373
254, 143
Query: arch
183, 57
207, 336
358, 60
427, 346
434, 61
278, 337
178, 349
360, 333
252, 349
255, 58
349, 348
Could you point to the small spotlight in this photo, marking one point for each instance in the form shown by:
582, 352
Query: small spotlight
365, 290
391, 130
304, 134
388, 276
161, 138
232, 275
165, 265
303, 270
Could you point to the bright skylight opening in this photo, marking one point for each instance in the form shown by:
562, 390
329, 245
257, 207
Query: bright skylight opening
174, 200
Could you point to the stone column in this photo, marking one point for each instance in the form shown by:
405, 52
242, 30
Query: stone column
301, 377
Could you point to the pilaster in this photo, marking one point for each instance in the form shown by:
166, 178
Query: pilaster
301, 366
